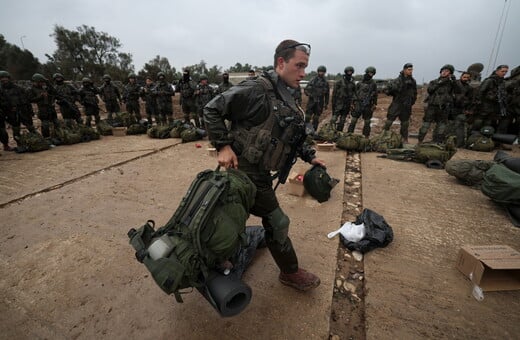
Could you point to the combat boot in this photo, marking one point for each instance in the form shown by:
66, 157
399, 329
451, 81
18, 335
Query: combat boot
301, 280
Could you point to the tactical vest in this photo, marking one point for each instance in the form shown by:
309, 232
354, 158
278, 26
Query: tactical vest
187, 89
269, 144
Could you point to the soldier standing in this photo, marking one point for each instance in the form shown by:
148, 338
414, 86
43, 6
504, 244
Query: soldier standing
318, 92
462, 108
225, 85
88, 98
187, 89
203, 95
365, 101
111, 96
67, 95
513, 99
163, 93
342, 95
149, 98
249, 106
403, 89
441, 95
43, 94
131, 94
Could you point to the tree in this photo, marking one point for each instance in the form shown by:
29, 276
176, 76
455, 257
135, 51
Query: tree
20, 64
156, 65
88, 53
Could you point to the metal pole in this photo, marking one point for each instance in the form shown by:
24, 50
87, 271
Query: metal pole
21, 40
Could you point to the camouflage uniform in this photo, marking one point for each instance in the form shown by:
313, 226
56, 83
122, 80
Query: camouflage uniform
150, 102
318, 92
4, 136
513, 100
88, 98
403, 89
131, 93
163, 93
203, 95
462, 107
248, 104
224, 86
297, 94
342, 96
441, 95
187, 88
365, 101
44, 96
111, 96
67, 95
17, 108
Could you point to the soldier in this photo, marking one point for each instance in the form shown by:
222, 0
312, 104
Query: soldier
16, 107
403, 89
513, 99
131, 93
298, 95
441, 95
318, 92
66, 97
43, 94
251, 75
4, 136
365, 101
203, 95
225, 85
88, 98
149, 98
342, 95
163, 93
493, 105
253, 103
111, 96
187, 89
462, 108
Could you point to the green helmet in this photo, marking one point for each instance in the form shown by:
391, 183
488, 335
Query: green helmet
487, 131
160, 74
370, 69
131, 75
106, 77
515, 72
203, 77
318, 183
57, 75
86, 80
448, 67
38, 77
322, 68
5, 74
348, 69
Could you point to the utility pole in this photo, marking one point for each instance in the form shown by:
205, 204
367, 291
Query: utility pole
21, 40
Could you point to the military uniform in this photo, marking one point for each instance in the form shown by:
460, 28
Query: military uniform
88, 98
365, 101
150, 102
4, 136
131, 93
342, 96
462, 107
318, 92
44, 96
403, 89
187, 88
250, 106
111, 96
224, 86
513, 100
66, 97
17, 108
163, 93
203, 95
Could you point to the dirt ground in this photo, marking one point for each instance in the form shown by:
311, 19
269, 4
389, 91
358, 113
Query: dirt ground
67, 271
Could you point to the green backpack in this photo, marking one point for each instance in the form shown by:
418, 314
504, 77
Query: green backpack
68, 137
136, 129
353, 142
159, 131
207, 228
501, 184
425, 152
386, 140
104, 128
479, 142
328, 133
32, 142
469, 172
318, 183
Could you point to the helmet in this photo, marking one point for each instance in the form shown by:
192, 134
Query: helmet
487, 131
5, 74
87, 80
106, 77
203, 77
322, 68
38, 77
57, 75
349, 69
370, 69
160, 74
515, 72
131, 75
448, 67
318, 183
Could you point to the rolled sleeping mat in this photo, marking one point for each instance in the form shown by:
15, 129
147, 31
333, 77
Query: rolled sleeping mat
510, 162
514, 214
227, 294
505, 138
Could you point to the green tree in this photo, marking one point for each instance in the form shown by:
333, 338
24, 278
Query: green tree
156, 65
86, 52
21, 64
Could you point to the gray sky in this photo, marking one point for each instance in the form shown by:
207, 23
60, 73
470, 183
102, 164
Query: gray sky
381, 33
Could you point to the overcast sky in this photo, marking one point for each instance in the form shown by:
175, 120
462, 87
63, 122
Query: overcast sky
380, 33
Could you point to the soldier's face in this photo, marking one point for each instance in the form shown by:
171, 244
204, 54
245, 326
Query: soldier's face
293, 70
148, 81
502, 72
445, 73
408, 71
464, 78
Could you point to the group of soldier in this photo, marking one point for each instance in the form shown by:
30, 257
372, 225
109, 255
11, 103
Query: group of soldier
16, 102
455, 106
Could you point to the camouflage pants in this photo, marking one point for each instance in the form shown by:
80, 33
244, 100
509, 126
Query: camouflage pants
438, 115
112, 106
366, 114
401, 111
314, 110
132, 107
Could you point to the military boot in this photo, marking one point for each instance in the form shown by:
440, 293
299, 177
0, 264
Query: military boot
301, 280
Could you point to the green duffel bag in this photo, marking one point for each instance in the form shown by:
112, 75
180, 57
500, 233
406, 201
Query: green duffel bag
327, 133
349, 141
467, 171
425, 152
88, 133
501, 184
159, 131
68, 137
479, 142
104, 128
32, 142
136, 129
386, 140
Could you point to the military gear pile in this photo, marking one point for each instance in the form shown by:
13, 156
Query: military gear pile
159, 131
32, 142
386, 140
353, 142
207, 228
318, 183
104, 128
327, 133
469, 172
479, 142
502, 184
136, 129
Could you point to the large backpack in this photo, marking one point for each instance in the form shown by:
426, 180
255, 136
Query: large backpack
386, 140
469, 172
479, 142
353, 142
501, 184
207, 228
425, 152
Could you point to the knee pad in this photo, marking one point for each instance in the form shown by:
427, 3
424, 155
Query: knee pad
278, 223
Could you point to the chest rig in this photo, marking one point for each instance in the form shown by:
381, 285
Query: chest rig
270, 143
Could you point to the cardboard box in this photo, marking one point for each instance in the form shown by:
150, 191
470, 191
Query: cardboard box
493, 267
212, 152
326, 146
119, 131
296, 187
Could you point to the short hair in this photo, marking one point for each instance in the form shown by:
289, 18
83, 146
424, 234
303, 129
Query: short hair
283, 50
501, 66
465, 72
407, 65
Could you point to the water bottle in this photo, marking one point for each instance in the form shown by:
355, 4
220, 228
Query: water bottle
161, 247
